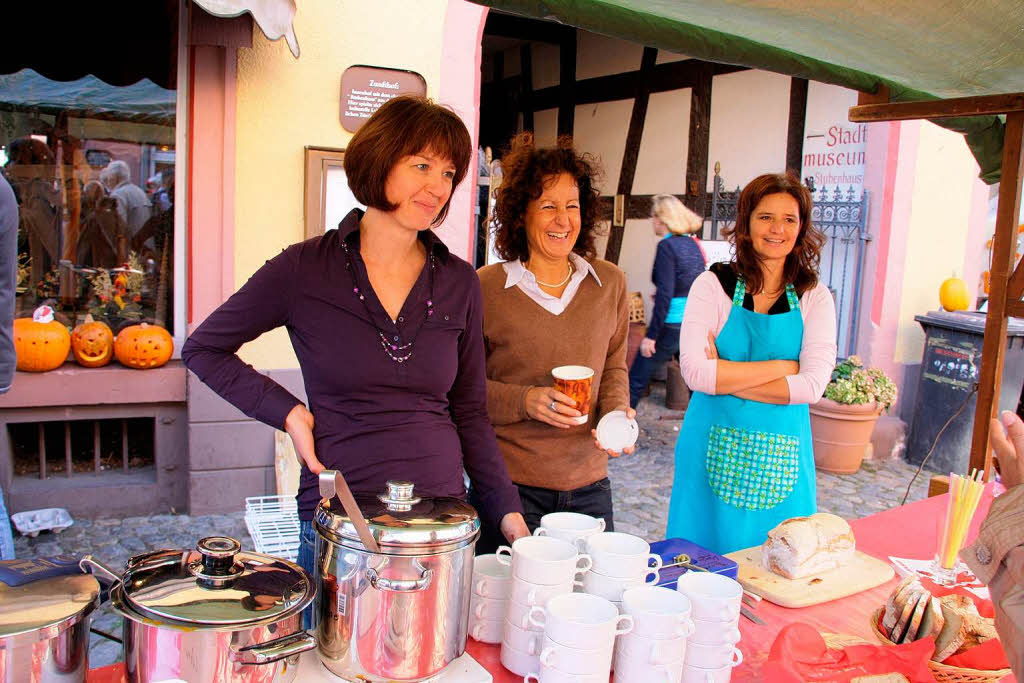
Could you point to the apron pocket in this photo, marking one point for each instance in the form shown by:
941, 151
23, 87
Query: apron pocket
752, 470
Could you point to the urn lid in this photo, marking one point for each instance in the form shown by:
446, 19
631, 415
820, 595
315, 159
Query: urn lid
44, 592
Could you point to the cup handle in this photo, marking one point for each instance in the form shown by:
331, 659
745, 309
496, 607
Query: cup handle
601, 524
481, 585
577, 583
686, 628
478, 611
534, 645
737, 657
627, 621
584, 563
540, 531
502, 551
657, 561
545, 656
735, 636
649, 572
531, 597
475, 631
534, 677
533, 618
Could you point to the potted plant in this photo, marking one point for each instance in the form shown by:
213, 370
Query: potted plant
842, 421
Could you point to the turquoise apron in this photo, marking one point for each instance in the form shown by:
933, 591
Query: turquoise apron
744, 466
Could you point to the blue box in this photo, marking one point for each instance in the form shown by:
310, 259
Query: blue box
702, 557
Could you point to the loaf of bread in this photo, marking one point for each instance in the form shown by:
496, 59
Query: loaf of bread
805, 546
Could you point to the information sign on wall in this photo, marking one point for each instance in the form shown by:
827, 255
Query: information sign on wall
365, 88
834, 155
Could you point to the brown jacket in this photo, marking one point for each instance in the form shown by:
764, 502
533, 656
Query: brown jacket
997, 558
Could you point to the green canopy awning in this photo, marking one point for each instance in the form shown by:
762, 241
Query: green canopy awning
919, 50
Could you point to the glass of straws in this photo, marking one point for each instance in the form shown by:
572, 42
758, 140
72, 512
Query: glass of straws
964, 494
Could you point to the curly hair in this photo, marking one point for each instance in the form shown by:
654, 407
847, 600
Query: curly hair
801, 269
525, 171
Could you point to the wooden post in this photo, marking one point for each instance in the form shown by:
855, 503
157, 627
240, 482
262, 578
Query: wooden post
994, 347
526, 85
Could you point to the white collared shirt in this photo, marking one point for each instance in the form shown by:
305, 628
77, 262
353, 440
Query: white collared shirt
518, 275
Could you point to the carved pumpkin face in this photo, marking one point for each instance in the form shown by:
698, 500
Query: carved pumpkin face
40, 342
143, 346
92, 344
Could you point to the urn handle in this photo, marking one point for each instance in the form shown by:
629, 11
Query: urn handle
275, 650
400, 585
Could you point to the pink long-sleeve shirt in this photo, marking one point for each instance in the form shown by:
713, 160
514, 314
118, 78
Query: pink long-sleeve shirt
707, 309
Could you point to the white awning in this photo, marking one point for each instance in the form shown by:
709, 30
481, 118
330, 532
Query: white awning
274, 17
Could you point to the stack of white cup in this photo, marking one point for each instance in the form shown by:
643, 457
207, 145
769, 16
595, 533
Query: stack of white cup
654, 650
579, 638
570, 526
711, 652
488, 603
542, 568
620, 562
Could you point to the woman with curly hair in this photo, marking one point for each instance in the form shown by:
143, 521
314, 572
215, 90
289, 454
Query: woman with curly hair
758, 344
552, 303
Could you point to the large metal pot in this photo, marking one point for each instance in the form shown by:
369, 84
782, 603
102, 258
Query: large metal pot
46, 605
212, 615
399, 614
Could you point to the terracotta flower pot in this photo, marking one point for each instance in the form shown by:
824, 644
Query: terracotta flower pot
841, 434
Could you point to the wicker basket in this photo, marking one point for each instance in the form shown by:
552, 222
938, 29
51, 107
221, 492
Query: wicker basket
943, 672
636, 308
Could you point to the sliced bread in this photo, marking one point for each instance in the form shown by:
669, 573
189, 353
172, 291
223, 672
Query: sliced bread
906, 614
933, 621
952, 634
898, 600
920, 607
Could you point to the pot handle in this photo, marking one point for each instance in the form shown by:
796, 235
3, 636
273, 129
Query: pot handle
400, 585
274, 650
91, 565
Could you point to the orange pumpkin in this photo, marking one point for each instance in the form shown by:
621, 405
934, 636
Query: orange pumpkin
40, 342
143, 346
953, 294
92, 344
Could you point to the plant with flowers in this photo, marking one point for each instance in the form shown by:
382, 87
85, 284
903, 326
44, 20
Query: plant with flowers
854, 384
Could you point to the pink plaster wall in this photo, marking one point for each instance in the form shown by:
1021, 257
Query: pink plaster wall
460, 90
211, 220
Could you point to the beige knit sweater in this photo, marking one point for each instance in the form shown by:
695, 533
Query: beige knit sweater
524, 342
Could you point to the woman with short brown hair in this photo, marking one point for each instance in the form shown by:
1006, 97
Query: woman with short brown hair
758, 344
385, 323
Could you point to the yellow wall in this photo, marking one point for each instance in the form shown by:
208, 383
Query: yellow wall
940, 217
285, 104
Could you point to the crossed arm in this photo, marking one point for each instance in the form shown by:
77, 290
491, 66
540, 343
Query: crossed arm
763, 381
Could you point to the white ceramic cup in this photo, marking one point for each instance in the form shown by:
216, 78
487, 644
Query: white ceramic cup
522, 639
623, 555
651, 650
543, 560
715, 632
579, 620
696, 674
608, 587
658, 612
519, 615
517, 661
569, 526
633, 670
714, 597
549, 674
487, 608
491, 579
574, 661
487, 630
528, 593
713, 656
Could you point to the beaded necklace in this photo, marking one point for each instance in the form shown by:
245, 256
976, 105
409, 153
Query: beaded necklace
399, 353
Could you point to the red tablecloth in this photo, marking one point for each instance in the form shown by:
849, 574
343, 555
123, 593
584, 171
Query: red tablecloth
907, 531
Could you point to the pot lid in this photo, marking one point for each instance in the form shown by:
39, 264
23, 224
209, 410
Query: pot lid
400, 520
43, 592
215, 585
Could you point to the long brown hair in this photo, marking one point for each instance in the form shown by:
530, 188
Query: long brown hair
801, 269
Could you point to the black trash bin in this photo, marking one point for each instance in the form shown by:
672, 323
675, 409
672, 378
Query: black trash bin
949, 371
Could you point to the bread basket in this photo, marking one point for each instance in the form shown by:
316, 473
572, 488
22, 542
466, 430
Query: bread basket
942, 672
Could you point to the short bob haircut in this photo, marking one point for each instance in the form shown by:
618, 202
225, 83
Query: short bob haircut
525, 171
801, 269
673, 213
402, 127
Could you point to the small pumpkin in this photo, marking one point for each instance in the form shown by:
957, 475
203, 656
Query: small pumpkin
953, 294
143, 346
40, 342
92, 343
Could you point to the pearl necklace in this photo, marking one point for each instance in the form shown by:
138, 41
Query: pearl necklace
556, 285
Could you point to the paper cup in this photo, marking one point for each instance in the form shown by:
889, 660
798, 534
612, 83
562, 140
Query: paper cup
575, 381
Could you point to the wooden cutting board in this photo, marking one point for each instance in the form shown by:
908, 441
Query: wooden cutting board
860, 574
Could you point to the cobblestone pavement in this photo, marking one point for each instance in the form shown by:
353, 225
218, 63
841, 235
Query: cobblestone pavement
642, 484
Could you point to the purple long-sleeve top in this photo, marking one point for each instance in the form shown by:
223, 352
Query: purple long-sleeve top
421, 420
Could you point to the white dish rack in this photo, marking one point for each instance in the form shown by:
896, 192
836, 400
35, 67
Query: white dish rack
273, 523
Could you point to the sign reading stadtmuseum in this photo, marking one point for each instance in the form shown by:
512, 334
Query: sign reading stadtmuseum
365, 88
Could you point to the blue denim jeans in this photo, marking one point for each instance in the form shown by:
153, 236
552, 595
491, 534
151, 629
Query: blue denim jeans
306, 560
665, 346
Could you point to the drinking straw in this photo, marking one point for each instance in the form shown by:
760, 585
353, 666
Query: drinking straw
964, 495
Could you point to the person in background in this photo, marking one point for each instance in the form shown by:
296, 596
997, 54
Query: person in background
552, 303
997, 556
678, 261
758, 344
133, 206
8, 281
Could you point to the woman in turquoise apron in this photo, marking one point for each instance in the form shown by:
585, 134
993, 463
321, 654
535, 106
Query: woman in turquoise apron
743, 458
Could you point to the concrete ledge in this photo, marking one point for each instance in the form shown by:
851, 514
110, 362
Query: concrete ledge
73, 385
230, 445
204, 405
221, 491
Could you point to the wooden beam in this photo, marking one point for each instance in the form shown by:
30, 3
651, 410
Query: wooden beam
987, 105
632, 151
1015, 308
797, 118
567, 84
526, 85
1015, 288
880, 96
994, 345
700, 138
938, 485
522, 28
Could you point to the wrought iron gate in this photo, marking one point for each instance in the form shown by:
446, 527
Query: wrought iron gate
841, 215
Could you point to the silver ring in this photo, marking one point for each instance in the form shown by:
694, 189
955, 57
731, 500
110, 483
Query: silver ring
552, 406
